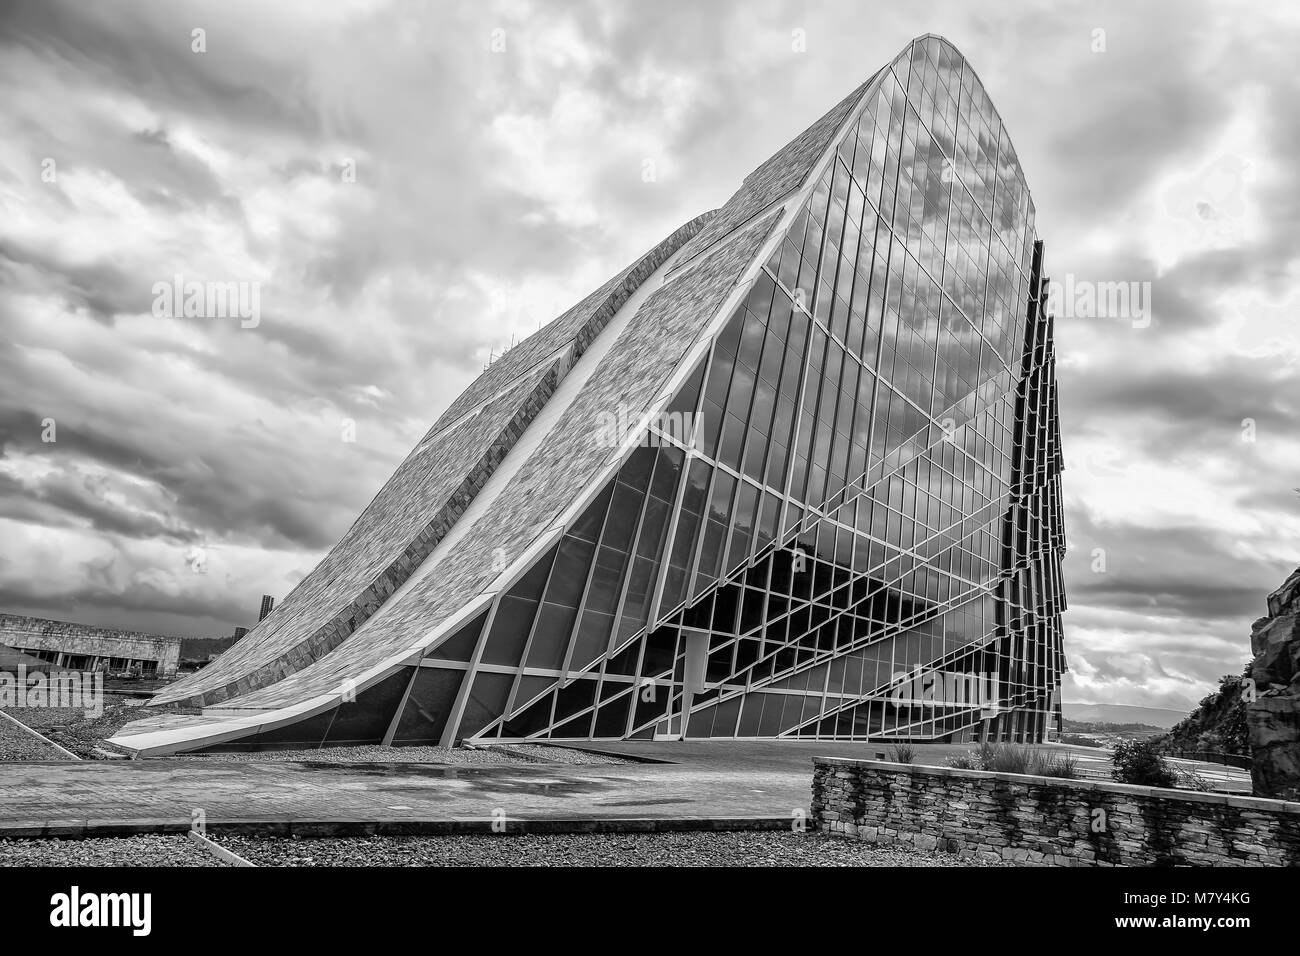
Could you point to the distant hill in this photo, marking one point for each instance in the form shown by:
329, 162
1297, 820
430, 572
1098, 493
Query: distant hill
1122, 714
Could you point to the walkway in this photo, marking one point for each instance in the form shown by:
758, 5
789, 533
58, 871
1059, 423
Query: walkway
709, 780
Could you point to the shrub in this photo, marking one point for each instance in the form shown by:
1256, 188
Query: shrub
904, 753
1191, 780
967, 761
1064, 766
1139, 762
1007, 758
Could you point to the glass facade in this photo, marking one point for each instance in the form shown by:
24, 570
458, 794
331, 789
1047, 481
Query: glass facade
862, 537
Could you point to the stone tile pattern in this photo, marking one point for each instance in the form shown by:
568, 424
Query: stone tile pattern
42, 634
630, 374
580, 325
407, 518
1049, 821
780, 175
418, 506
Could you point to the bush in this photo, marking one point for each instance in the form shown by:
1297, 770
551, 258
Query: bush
1064, 766
1007, 758
1139, 762
1191, 780
968, 761
904, 753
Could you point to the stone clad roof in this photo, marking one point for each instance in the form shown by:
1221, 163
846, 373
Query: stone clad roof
417, 506
580, 324
409, 515
780, 175
630, 374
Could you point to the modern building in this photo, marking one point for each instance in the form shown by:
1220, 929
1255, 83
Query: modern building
85, 647
794, 473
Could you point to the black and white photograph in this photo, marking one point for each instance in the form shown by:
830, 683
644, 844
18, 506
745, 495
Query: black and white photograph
680, 441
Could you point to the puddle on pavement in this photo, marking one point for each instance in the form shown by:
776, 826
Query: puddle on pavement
533, 781
646, 803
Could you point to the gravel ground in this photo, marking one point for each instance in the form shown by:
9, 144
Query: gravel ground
752, 848
70, 727
512, 754
17, 744
53, 717
553, 754
145, 850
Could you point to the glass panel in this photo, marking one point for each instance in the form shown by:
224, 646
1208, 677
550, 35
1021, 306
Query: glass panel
367, 719
486, 701
432, 696
460, 646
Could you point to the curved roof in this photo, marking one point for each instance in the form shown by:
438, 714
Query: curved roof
428, 551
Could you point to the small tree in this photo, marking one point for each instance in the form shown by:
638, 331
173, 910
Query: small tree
1139, 761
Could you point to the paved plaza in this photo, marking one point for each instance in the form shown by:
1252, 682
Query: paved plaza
715, 781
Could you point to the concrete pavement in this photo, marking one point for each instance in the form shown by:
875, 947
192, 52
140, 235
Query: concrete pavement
762, 782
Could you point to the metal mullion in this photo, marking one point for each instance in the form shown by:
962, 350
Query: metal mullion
532, 630
401, 707
797, 414
611, 644
591, 574
462, 695
804, 504
661, 575
637, 684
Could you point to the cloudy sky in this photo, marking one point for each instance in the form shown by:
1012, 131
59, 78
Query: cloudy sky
412, 184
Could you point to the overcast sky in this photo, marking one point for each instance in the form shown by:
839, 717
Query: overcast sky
412, 184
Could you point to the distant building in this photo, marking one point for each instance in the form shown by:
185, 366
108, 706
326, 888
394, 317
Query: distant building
240, 632
268, 602
11, 660
86, 647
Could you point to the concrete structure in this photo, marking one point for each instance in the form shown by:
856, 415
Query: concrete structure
793, 473
1048, 820
11, 660
85, 647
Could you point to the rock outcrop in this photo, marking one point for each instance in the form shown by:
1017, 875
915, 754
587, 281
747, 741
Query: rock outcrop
1218, 725
1272, 695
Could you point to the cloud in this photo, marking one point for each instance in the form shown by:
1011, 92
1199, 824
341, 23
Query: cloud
413, 185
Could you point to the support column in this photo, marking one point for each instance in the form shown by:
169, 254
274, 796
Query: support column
697, 659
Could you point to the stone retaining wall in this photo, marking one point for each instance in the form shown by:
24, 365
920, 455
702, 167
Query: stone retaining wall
1045, 820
